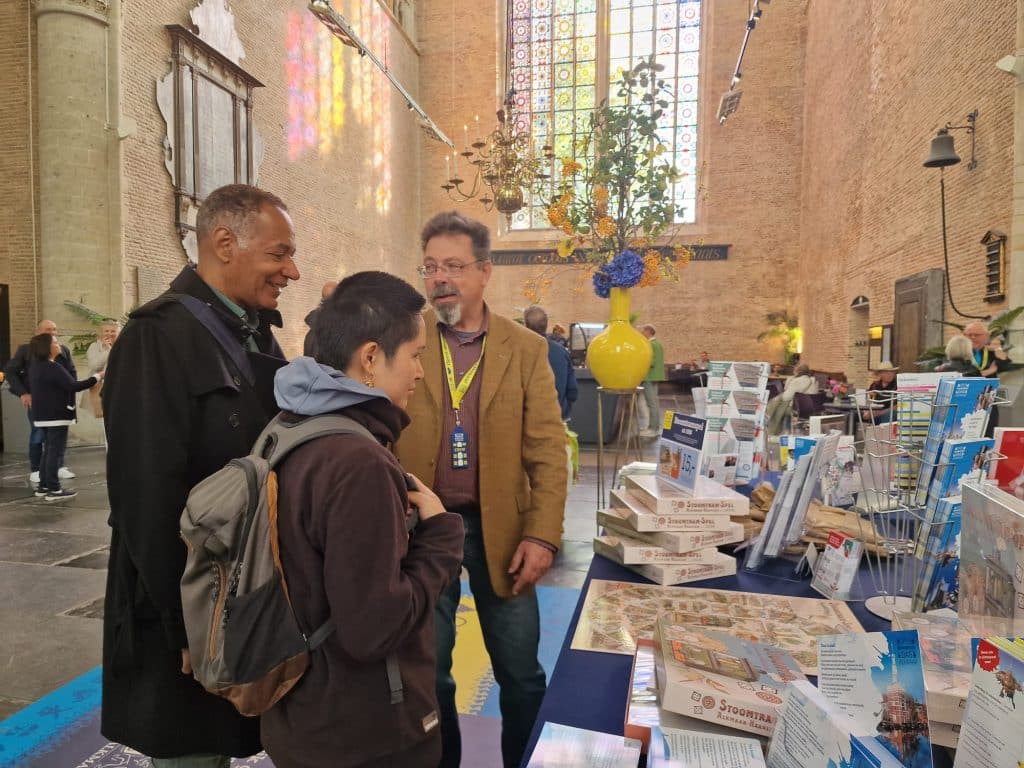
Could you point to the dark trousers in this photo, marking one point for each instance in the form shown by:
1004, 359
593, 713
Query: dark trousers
511, 632
55, 440
35, 446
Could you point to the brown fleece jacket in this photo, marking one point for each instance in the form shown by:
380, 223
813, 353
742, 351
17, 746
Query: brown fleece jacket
346, 555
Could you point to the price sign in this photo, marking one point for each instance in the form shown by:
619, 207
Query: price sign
679, 450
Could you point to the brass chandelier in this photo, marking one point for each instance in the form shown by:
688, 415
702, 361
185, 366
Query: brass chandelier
505, 165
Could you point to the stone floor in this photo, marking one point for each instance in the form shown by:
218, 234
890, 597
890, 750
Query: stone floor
53, 567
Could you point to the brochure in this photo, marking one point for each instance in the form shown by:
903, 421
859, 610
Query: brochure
562, 746
1009, 472
707, 497
961, 411
673, 748
721, 678
724, 374
938, 584
991, 555
814, 733
992, 734
616, 523
836, 568
877, 678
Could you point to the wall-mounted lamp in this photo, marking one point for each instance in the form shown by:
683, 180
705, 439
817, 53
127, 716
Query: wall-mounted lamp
943, 154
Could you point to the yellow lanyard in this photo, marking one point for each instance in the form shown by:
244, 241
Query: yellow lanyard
458, 391
984, 359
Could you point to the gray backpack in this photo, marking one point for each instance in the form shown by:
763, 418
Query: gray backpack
245, 643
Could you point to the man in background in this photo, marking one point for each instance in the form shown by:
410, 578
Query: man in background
990, 359
16, 374
655, 374
486, 428
536, 319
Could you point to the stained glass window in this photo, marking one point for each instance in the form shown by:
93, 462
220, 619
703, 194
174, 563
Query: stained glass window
556, 60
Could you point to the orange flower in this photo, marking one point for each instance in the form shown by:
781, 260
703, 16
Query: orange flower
606, 227
567, 227
570, 167
682, 253
652, 269
565, 248
556, 215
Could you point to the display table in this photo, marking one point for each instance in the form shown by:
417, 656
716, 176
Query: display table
589, 689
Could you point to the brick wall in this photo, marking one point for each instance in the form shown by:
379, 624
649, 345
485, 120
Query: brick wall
339, 146
18, 243
881, 79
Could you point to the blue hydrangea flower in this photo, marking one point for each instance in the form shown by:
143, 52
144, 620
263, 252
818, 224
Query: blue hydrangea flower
626, 269
602, 284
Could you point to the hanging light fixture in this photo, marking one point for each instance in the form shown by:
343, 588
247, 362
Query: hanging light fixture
504, 166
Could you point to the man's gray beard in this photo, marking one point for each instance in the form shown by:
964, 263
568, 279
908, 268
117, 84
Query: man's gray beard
449, 314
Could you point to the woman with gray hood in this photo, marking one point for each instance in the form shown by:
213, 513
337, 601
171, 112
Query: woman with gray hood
345, 546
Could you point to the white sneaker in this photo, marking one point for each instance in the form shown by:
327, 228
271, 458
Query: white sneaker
65, 474
33, 478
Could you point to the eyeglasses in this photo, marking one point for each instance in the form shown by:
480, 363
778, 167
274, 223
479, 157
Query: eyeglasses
452, 268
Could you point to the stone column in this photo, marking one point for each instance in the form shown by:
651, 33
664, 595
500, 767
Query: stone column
75, 151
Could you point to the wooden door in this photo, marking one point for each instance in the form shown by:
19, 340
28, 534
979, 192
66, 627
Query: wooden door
917, 317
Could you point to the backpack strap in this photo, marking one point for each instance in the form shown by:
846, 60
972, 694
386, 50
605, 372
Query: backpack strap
279, 437
202, 312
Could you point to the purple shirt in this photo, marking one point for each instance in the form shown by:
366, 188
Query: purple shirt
460, 487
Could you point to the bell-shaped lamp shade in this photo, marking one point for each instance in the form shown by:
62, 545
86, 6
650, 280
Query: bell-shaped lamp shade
942, 152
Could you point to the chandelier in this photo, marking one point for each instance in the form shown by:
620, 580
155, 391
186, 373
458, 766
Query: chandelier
504, 166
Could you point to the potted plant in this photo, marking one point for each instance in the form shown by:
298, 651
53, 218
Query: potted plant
612, 205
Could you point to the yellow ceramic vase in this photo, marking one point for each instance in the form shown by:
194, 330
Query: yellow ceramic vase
620, 355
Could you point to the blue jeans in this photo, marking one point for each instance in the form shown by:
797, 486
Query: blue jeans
511, 631
55, 440
35, 446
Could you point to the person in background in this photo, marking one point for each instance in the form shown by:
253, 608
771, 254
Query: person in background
189, 386
309, 343
53, 410
990, 359
559, 335
486, 427
536, 319
96, 360
959, 356
880, 393
16, 373
705, 361
779, 407
655, 374
345, 546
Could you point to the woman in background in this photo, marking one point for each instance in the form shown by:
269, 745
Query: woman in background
53, 410
959, 356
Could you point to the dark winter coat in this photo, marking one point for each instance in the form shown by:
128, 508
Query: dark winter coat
346, 555
53, 393
16, 371
176, 410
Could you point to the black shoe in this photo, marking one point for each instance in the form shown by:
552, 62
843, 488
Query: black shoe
40, 491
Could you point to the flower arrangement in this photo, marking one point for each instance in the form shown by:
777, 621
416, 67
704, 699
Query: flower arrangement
615, 200
837, 388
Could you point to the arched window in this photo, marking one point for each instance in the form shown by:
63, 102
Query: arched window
565, 53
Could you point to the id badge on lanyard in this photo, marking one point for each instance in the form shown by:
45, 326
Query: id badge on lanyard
460, 446
459, 438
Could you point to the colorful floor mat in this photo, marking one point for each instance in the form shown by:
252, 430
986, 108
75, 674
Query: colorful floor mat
61, 730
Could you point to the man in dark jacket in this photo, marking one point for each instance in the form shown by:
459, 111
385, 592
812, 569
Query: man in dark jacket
189, 386
16, 373
536, 319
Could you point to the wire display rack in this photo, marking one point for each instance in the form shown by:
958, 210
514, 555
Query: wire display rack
895, 479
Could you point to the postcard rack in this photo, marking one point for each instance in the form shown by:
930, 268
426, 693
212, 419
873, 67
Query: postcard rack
895, 478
